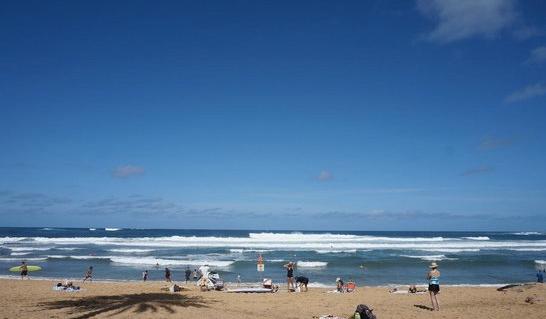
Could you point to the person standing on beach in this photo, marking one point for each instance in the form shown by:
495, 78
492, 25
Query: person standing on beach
188, 274
145, 275
540, 276
168, 275
89, 274
290, 276
24, 270
433, 278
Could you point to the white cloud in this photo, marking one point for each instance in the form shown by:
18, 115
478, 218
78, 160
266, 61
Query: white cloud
462, 19
526, 93
538, 55
325, 176
127, 171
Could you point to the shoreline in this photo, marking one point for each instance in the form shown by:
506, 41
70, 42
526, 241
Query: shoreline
247, 284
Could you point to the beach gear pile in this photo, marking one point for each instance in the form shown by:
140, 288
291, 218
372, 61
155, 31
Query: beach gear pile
364, 312
210, 280
66, 286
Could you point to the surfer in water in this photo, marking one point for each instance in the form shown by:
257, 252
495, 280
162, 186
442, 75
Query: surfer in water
24, 270
89, 274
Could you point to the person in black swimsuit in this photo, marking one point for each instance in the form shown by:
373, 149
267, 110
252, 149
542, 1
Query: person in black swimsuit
24, 270
290, 276
302, 281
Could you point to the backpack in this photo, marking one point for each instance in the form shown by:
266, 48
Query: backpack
365, 312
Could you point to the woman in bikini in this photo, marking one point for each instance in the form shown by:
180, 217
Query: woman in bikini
433, 278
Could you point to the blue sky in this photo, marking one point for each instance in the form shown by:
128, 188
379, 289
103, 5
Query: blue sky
367, 115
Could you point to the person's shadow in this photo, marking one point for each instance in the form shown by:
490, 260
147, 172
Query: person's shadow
88, 307
424, 307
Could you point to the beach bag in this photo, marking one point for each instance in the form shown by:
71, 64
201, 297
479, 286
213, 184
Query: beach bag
364, 312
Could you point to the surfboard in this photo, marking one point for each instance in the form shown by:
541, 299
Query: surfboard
30, 268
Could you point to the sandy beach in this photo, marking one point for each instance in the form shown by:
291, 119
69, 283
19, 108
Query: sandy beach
36, 299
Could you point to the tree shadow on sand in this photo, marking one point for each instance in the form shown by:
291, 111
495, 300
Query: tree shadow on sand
88, 307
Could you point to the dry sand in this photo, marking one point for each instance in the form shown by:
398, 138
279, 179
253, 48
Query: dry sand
36, 299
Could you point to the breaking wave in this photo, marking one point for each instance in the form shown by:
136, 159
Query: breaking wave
311, 264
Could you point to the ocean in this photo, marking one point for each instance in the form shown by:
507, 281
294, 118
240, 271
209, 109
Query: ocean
369, 258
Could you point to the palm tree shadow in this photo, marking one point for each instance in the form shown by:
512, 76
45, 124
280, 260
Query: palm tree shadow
88, 307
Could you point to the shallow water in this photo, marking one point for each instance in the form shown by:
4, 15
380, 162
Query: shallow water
371, 258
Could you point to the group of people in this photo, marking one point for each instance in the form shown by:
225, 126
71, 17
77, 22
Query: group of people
188, 274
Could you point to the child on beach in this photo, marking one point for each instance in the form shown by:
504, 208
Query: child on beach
89, 274
24, 270
433, 278
339, 284
290, 276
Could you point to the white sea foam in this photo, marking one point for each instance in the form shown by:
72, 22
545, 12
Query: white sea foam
67, 248
130, 250
169, 262
20, 259
477, 238
527, 233
301, 242
29, 248
92, 229
430, 257
527, 249
237, 251
311, 264
77, 257
20, 254
452, 250
112, 229
540, 262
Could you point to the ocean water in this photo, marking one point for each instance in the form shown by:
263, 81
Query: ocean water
370, 258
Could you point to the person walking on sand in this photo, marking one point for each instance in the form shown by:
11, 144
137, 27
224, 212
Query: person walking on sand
195, 274
145, 275
24, 270
168, 275
433, 278
290, 276
188, 274
88, 274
